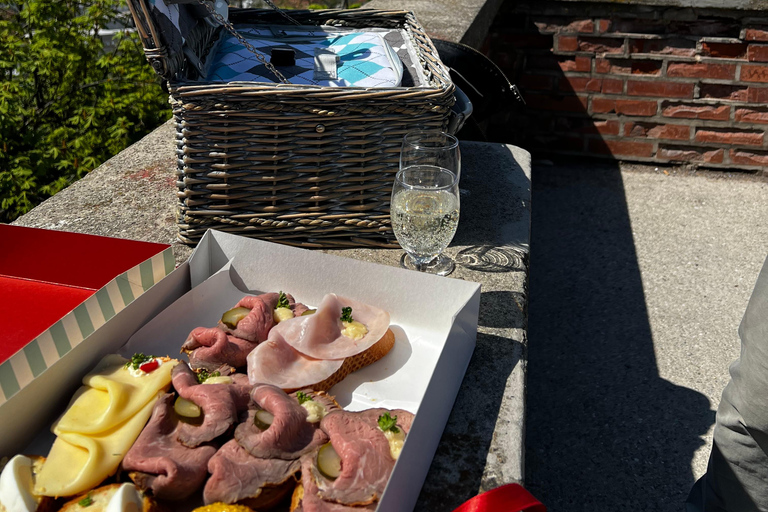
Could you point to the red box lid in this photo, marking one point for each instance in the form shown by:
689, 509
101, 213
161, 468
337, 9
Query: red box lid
46, 274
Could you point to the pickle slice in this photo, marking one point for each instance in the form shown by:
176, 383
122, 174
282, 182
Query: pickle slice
233, 316
328, 461
186, 409
263, 419
218, 379
309, 312
280, 314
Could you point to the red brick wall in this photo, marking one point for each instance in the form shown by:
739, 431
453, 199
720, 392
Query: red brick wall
642, 83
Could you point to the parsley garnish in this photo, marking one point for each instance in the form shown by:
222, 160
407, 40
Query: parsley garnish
303, 397
282, 301
387, 422
203, 375
346, 314
137, 360
87, 501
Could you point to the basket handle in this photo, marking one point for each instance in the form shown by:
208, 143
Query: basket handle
281, 12
231, 29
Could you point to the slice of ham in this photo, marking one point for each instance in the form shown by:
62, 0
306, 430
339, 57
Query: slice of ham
366, 461
159, 463
236, 475
319, 336
220, 404
255, 326
275, 362
288, 437
211, 349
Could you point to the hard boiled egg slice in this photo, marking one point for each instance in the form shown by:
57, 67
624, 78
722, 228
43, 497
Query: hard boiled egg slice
16, 484
127, 498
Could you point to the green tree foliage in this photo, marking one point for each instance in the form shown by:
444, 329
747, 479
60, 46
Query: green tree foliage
67, 102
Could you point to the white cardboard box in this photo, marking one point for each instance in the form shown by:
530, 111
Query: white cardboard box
434, 320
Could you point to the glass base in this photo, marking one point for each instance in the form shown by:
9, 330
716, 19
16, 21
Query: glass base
442, 265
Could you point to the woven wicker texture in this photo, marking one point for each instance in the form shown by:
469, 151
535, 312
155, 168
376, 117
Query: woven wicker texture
305, 165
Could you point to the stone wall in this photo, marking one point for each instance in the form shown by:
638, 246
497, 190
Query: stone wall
637, 82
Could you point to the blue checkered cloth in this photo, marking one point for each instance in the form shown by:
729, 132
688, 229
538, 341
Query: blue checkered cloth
364, 58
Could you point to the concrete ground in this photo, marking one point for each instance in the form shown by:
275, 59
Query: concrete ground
638, 280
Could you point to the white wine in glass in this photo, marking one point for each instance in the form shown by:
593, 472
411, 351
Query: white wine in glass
424, 211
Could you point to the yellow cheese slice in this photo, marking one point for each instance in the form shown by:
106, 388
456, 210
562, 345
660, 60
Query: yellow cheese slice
77, 462
111, 395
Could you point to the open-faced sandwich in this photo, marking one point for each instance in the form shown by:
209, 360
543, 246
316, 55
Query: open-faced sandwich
102, 421
319, 350
353, 468
153, 433
239, 331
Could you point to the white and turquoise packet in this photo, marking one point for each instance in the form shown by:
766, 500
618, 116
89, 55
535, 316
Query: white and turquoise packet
365, 58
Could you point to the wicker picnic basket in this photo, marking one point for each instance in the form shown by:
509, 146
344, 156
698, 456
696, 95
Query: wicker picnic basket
304, 165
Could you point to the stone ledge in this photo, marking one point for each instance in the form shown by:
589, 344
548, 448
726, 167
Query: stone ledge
459, 21
745, 5
133, 195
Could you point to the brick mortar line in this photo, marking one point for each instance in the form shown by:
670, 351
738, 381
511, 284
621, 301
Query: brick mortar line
705, 124
645, 36
603, 11
678, 142
702, 124
721, 81
683, 59
679, 121
655, 79
651, 159
647, 77
657, 160
699, 101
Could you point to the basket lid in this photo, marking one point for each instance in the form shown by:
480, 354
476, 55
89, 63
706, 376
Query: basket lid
174, 34
179, 35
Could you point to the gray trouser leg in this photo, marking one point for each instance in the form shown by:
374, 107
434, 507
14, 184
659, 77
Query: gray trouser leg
737, 473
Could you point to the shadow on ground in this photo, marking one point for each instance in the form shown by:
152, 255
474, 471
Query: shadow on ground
604, 432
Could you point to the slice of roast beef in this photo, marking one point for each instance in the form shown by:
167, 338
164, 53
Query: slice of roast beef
297, 307
255, 326
288, 437
210, 348
158, 463
366, 461
220, 404
310, 501
237, 476
321, 397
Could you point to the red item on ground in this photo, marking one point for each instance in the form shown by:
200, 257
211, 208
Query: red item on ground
507, 498
46, 274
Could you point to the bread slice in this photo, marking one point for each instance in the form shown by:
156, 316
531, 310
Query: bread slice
98, 499
223, 507
297, 496
354, 363
270, 496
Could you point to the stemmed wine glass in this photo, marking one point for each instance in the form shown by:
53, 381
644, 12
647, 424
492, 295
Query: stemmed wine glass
424, 209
